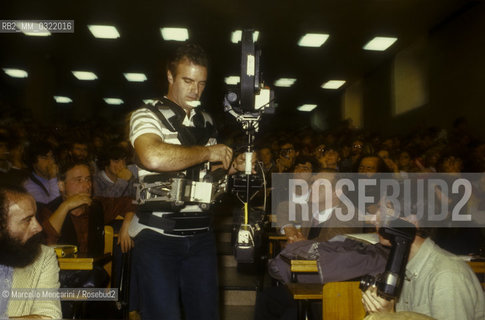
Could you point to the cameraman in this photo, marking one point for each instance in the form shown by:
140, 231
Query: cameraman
171, 261
437, 283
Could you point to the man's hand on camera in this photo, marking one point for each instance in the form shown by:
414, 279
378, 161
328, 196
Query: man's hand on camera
220, 153
373, 303
239, 163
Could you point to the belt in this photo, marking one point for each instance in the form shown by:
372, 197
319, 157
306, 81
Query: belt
178, 223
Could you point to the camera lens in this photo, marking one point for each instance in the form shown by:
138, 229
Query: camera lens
366, 282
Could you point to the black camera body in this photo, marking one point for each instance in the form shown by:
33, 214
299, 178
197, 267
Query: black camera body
401, 235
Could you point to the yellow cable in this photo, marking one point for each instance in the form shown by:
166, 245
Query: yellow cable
245, 213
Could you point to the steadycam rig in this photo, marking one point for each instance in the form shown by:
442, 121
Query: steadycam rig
247, 102
173, 191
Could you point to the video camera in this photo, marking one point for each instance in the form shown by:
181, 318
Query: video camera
247, 102
401, 235
250, 98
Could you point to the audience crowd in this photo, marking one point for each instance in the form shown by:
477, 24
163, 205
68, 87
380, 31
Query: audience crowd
66, 167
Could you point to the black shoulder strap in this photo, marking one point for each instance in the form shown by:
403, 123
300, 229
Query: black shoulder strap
162, 118
37, 182
174, 123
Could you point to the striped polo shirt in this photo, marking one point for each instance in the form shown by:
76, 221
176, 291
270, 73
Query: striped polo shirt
144, 121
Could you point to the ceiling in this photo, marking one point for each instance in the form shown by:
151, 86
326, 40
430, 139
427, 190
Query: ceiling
140, 48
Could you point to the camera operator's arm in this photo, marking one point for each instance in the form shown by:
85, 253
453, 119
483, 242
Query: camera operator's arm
373, 303
157, 155
124, 239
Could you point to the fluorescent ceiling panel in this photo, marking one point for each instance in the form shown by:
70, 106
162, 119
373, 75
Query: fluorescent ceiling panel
380, 43
284, 82
237, 35
28, 28
16, 73
232, 80
104, 32
175, 34
333, 84
114, 101
307, 107
84, 75
135, 77
313, 40
61, 99
37, 34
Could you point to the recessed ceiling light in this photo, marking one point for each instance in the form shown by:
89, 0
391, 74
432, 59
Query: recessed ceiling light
333, 84
61, 99
84, 75
16, 73
237, 35
37, 34
380, 43
284, 82
31, 28
313, 40
135, 77
232, 80
104, 32
115, 101
176, 34
307, 107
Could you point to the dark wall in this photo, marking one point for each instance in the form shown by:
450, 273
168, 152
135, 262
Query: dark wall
456, 80
377, 99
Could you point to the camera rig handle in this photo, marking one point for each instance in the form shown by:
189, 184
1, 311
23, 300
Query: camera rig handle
401, 235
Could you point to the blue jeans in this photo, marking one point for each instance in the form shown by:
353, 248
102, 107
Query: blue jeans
169, 270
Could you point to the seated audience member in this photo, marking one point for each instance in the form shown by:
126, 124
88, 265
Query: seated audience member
328, 157
391, 165
323, 224
340, 259
286, 159
357, 150
18, 172
79, 150
302, 169
406, 162
42, 182
4, 163
437, 283
12, 168
430, 160
24, 262
78, 219
370, 165
266, 157
113, 178
450, 164
98, 143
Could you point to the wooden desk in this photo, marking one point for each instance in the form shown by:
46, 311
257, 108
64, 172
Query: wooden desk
303, 293
274, 242
82, 262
